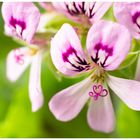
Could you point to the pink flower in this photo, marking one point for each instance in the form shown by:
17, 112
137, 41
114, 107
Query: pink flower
81, 11
19, 21
17, 62
106, 49
128, 14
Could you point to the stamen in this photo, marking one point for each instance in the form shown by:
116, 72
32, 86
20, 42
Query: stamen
98, 90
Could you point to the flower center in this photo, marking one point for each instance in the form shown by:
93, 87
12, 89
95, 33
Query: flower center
98, 78
19, 55
98, 91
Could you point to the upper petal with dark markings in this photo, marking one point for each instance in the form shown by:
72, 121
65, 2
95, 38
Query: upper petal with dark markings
67, 53
108, 43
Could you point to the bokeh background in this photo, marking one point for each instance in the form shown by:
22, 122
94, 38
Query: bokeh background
17, 119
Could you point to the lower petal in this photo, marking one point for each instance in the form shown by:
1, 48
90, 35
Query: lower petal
127, 90
35, 91
101, 115
67, 104
17, 61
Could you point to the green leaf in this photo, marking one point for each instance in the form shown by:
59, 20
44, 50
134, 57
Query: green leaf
128, 122
109, 15
131, 58
135, 45
51, 67
58, 21
19, 120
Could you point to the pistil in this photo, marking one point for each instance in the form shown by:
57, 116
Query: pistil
98, 91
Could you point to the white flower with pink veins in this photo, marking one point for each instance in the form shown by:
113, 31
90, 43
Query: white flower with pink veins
21, 21
107, 45
85, 12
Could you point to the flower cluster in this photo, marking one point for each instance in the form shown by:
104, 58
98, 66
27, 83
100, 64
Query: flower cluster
108, 43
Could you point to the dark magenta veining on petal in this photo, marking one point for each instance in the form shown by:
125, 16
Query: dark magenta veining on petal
135, 17
101, 47
75, 10
69, 51
81, 63
19, 56
80, 9
91, 14
20, 23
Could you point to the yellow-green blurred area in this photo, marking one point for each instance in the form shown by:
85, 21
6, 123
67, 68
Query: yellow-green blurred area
17, 119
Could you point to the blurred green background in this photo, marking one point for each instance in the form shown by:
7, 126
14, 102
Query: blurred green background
17, 119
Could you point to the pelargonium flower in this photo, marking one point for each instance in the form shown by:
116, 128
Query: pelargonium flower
81, 11
17, 62
21, 20
107, 45
128, 14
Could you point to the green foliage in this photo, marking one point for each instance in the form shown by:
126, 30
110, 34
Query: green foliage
57, 21
128, 122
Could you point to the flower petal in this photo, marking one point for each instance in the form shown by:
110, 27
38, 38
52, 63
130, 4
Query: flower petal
21, 19
47, 6
101, 114
35, 91
69, 9
67, 104
127, 90
99, 10
93, 10
108, 43
66, 52
128, 14
17, 61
